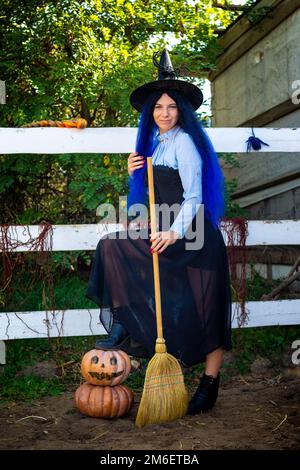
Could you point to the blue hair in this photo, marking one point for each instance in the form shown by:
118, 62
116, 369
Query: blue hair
145, 145
213, 185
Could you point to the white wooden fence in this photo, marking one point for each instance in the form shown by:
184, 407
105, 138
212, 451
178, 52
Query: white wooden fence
84, 322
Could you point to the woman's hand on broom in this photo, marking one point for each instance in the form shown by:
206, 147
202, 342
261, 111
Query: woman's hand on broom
135, 162
161, 240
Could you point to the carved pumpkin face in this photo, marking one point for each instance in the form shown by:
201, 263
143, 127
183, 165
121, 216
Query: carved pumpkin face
105, 367
103, 402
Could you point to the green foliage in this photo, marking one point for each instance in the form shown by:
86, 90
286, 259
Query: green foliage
232, 209
59, 188
257, 286
63, 284
55, 283
69, 58
255, 16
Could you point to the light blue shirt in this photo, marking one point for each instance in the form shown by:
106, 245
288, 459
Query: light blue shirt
176, 149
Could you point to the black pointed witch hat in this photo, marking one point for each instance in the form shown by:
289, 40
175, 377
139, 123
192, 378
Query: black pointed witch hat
166, 81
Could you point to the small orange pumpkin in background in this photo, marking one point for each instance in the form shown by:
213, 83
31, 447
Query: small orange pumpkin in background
103, 402
105, 367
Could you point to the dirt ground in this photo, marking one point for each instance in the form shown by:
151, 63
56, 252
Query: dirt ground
256, 411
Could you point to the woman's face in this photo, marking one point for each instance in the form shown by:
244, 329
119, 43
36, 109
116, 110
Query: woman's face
165, 113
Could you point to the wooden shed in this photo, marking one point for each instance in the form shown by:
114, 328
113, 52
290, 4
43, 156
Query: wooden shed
257, 83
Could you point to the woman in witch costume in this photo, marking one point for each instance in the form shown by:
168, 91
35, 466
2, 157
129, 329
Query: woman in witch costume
195, 283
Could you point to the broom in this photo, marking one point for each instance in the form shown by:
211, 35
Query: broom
164, 395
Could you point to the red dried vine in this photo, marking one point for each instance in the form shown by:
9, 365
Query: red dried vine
236, 231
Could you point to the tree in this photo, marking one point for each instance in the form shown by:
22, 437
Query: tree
62, 59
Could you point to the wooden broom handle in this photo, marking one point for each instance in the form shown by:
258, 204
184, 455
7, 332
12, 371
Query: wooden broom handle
154, 254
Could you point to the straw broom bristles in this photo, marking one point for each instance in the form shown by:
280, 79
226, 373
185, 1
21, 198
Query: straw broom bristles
164, 396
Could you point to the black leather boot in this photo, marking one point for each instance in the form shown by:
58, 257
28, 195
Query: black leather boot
205, 396
118, 337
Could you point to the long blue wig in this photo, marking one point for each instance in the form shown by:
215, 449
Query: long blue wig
213, 186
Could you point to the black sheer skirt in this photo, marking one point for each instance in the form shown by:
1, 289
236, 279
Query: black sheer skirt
195, 287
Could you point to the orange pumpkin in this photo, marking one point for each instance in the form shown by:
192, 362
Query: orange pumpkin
103, 402
105, 367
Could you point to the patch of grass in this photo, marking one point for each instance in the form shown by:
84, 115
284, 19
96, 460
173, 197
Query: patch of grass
66, 353
270, 342
29, 388
136, 377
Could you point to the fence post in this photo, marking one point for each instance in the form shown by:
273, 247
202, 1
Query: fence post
2, 353
2, 92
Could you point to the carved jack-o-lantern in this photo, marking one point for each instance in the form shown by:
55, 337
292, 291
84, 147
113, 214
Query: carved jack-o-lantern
105, 367
103, 402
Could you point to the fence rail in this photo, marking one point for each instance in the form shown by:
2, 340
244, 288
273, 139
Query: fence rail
86, 236
85, 322
122, 140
